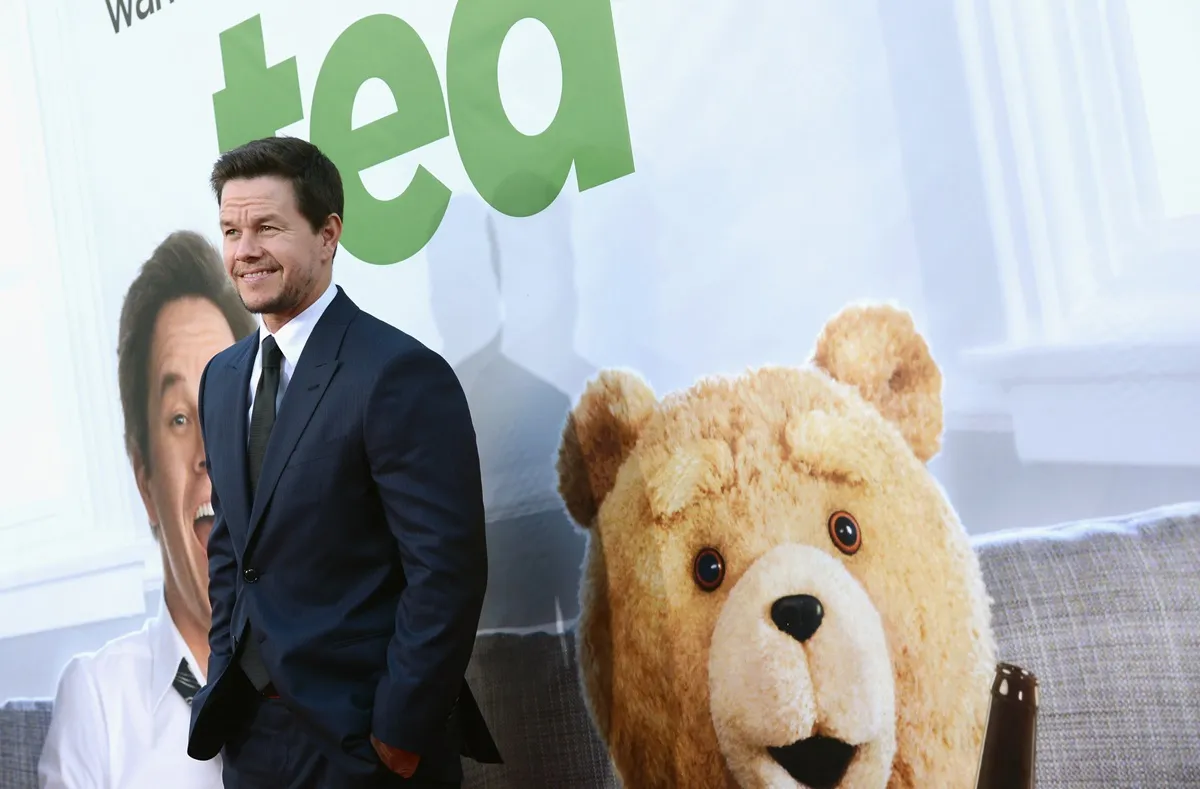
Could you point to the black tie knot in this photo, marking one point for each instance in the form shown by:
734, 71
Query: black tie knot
272, 357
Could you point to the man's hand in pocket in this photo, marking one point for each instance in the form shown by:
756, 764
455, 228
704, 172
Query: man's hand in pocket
400, 762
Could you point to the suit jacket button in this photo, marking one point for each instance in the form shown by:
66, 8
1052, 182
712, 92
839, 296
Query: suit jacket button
251, 575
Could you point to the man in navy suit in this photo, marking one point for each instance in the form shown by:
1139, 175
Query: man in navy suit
347, 559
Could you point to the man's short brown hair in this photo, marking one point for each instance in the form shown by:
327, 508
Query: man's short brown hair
315, 179
184, 265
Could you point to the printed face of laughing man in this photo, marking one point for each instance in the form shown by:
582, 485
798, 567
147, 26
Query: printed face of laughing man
175, 487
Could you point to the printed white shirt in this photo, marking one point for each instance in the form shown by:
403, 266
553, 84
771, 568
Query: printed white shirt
118, 721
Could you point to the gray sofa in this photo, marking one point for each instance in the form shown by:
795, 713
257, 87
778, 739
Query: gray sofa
1105, 612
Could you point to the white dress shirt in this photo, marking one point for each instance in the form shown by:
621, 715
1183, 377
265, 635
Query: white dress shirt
118, 721
291, 338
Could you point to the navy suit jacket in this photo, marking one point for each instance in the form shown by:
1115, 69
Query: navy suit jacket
361, 561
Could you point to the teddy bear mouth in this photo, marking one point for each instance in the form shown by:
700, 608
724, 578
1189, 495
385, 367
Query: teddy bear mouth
817, 762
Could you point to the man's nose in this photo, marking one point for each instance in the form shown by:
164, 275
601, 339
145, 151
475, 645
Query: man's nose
199, 457
248, 247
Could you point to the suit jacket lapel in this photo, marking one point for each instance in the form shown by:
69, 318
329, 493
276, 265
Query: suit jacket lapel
311, 378
236, 492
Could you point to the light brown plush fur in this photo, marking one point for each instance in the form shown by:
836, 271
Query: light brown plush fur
687, 687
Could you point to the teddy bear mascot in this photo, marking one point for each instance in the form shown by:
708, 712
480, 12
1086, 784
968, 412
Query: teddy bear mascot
776, 591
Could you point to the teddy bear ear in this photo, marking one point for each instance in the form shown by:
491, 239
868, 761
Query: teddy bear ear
877, 350
598, 436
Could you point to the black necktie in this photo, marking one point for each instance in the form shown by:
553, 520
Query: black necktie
262, 418
185, 681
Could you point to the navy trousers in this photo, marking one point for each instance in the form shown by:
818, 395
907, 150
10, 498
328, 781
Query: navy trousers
273, 752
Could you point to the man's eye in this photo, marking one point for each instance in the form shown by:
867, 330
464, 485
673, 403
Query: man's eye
179, 420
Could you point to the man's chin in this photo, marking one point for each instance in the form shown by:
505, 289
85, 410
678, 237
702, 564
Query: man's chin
257, 306
265, 301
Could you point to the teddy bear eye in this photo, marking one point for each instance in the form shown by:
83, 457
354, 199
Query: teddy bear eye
708, 569
844, 531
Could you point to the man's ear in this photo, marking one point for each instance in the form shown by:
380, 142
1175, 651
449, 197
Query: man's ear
599, 435
877, 350
331, 234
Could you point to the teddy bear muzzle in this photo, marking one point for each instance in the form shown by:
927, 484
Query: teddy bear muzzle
800, 678
818, 761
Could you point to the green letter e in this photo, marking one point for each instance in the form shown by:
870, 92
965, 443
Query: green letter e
382, 231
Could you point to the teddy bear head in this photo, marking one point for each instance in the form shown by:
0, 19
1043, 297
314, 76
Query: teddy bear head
776, 591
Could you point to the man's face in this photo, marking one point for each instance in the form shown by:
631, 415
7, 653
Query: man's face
276, 260
174, 486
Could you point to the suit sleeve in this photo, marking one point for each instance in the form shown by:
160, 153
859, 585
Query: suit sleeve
425, 462
222, 567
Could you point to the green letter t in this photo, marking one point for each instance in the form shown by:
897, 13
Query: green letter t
257, 100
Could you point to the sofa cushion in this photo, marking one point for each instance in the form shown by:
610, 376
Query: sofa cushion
532, 702
1107, 614
23, 726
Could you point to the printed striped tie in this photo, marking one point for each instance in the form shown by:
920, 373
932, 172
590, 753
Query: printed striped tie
185, 681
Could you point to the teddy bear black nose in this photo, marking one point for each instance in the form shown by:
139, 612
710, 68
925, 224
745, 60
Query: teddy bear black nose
798, 615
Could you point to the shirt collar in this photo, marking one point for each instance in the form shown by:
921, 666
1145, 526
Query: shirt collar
167, 648
293, 335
